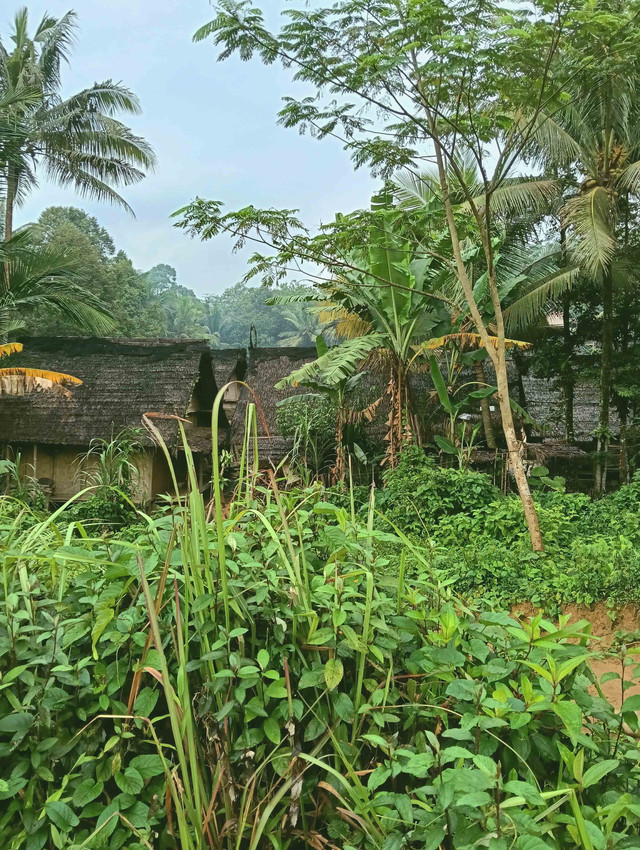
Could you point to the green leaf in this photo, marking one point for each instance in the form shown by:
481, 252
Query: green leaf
439, 384
571, 716
333, 673
524, 789
61, 815
445, 444
598, 771
86, 792
344, 707
103, 618
379, 776
263, 659
130, 781
276, 690
475, 799
146, 702
147, 766
539, 472
631, 703
272, 730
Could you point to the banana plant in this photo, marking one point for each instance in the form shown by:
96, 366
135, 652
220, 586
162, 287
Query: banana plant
337, 390
382, 308
462, 435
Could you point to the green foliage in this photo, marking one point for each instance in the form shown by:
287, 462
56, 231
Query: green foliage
418, 494
107, 274
379, 719
311, 421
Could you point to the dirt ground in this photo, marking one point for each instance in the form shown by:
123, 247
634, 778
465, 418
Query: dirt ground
626, 619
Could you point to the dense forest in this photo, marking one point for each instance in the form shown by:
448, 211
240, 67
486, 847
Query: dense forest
153, 303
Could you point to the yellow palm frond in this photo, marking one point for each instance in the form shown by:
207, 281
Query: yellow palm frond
347, 325
471, 340
19, 381
10, 348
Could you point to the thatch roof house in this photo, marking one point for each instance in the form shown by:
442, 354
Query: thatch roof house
122, 380
265, 367
542, 400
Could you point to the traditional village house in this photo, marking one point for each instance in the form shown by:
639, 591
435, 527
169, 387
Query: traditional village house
122, 379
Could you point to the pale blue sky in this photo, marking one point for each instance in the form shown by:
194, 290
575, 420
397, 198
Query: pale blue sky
212, 124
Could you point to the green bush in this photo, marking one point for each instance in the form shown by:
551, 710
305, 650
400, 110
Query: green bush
325, 705
417, 493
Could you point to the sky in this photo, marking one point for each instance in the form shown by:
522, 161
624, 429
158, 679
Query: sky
212, 124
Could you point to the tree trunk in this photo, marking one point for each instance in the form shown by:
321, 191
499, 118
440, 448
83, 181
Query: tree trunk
515, 449
606, 371
568, 381
498, 355
624, 453
9, 202
485, 406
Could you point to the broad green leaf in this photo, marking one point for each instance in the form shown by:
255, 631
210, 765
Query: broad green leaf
148, 765
631, 703
598, 771
272, 730
86, 792
130, 781
524, 789
333, 673
61, 815
475, 799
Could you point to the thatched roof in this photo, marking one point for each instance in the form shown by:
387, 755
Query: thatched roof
228, 364
122, 380
265, 367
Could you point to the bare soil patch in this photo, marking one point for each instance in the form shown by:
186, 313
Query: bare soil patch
604, 624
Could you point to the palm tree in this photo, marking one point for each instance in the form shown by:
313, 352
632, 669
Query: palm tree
214, 321
33, 277
597, 140
304, 327
77, 140
185, 317
530, 279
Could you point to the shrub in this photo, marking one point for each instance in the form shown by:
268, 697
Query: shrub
418, 493
360, 712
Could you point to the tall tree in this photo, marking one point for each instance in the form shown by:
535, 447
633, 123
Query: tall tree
404, 83
107, 274
76, 140
599, 137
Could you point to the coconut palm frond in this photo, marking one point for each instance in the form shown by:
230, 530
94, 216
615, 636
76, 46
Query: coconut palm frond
630, 178
539, 299
550, 140
521, 196
284, 298
590, 218
416, 190
10, 348
337, 364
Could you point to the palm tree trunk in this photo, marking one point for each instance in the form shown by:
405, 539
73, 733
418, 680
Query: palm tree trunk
485, 406
568, 379
606, 371
10, 200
